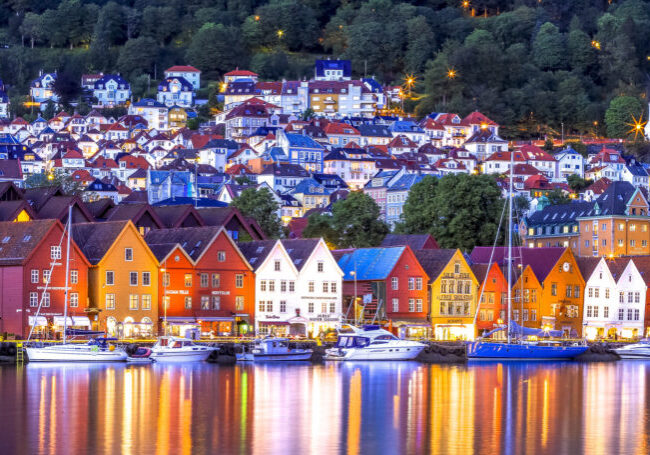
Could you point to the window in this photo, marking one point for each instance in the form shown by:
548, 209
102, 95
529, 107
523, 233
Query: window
133, 278
46, 276
216, 280
394, 283
310, 307
568, 290
591, 292
606, 312
46, 299
110, 301
188, 280
553, 288
332, 307
204, 280
74, 300
533, 315
325, 286
411, 284
188, 302
239, 303
276, 265
395, 305
33, 299
607, 293
55, 252
596, 292
35, 275
333, 287
283, 306
632, 243
630, 297
621, 314
411, 305
576, 292
323, 307
271, 285
311, 286
216, 302
263, 285
320, 266
239, 281
457, 267
636, 315
221, 256
589, 311
629, 314
128, 254
595, 311
165, 279
261, 307
133, 302
525, 314
110, 278
146, 301
418, 283
292, 286
515, 315
418, 305
205, 302
637, 297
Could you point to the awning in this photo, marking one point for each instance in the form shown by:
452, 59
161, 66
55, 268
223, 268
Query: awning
137, 323
216, 318
58, 320
298, 320
411, 323
80, 321
273, 323
41, 321
180, 320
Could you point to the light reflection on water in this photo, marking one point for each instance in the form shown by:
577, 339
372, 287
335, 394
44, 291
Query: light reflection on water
348, 408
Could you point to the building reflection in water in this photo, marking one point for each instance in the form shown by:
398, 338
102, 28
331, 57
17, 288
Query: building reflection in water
352, 408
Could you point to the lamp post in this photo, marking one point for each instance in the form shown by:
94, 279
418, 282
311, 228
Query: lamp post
354, 302
164, 283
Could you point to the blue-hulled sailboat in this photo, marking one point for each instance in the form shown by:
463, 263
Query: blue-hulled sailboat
517, 347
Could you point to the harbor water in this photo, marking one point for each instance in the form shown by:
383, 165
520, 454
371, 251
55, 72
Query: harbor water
353, 408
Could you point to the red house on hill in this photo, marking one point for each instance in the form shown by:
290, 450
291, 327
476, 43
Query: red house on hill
32, 272
206, 282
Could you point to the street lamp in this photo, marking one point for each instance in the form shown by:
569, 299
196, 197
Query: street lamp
354, 303
163, 270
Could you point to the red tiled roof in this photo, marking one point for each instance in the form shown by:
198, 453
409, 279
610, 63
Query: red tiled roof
477, 118
599, 186
340, 128
184, 68
239, 72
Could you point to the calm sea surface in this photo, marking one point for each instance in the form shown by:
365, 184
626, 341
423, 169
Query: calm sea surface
391, 408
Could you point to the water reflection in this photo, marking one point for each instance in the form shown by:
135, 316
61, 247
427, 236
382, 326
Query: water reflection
345, 408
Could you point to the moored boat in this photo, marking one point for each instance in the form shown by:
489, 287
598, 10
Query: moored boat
274, 350
178, 349
140, 355
372, 343
96, 350
640, 350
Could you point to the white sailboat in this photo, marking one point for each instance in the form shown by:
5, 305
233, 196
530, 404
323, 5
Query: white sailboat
96, 350
178, 349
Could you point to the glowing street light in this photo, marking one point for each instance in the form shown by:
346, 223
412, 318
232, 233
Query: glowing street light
636, 126
280, 33
452, 73
595, 44
465, 4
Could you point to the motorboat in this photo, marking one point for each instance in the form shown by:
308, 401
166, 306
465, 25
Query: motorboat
372, 343
179, 349
95, 350
141, 355
274, 349
640, 350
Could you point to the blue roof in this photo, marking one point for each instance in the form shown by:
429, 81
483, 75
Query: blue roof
165, 83
344, 65
178, 177
200, 202
39, 79
111, 77
372, 84
405, 126
277, 154
405, 182
98, 185
301, 140
148, 102
308, 185
370, 263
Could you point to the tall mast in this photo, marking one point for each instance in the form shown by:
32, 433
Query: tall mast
512, 171
67, 274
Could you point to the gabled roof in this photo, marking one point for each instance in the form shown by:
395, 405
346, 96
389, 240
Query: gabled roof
182, 68
19, 240
299, 250
9, 210
133, 212
434, 261
173, 216
415, 241
587, 265
370, 263
599, 186
540, 260
256, 252
95, 239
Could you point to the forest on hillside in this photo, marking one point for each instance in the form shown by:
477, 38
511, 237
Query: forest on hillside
534, 65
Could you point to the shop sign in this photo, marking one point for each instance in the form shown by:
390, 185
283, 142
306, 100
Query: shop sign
455, 297
317, 297
454, 321
174, 292
220, 292
272, 316
455, 275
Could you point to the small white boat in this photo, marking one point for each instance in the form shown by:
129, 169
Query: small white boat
275, 350
178, 349
96, 350
372, 343
141, 355
640, 350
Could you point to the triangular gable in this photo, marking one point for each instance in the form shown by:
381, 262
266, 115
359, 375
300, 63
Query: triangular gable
129, 225
285, 253
637, 199
72, 242
322, 244
222, 230
177, 248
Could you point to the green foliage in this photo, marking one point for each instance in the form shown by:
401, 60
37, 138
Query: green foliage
260, 205
138, 56
557, 197
460, 211
577, 183
620, 115
215, 49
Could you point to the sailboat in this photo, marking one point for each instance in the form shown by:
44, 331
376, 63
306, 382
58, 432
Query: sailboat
516, 348
96, 350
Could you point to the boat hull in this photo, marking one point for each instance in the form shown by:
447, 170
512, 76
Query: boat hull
182, 356
502, 351
634, 352
73, 354
375, 354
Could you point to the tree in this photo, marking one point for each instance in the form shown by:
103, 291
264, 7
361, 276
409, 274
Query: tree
460, 211
138, 56
577, 183
356, 221
262, 206
32, 27
215, 49
548, 47
320, 226
67, 86
620, 115
557, 197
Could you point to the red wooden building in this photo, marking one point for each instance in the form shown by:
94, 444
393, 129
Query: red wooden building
32, 272
389, 283
205, 280
492, 310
